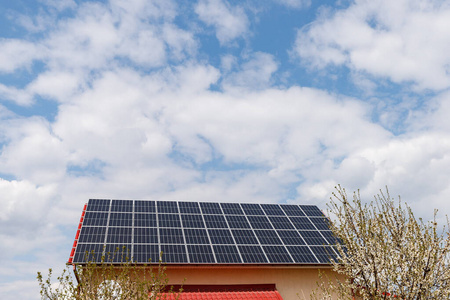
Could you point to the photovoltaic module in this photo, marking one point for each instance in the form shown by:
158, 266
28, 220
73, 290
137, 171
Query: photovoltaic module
202, 233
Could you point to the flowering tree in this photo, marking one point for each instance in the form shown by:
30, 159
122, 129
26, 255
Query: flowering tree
385, 252
107, 281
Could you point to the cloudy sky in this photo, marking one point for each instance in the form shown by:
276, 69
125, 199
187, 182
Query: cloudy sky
272, 101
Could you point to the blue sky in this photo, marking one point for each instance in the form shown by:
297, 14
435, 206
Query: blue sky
213, 100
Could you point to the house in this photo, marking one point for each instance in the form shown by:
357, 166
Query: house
258, 251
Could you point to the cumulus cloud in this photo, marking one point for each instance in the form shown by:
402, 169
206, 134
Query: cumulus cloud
16, 54
256, 73
13, 94
405, 41
230, 22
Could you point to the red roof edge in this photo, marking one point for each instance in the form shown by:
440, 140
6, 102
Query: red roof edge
77, 235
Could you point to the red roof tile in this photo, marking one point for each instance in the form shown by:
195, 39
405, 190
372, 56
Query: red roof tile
232, 295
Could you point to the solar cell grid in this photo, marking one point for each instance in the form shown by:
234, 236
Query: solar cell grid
252, 254
145, 236
268, 237
174, 253
144, 220
200, 254
277, 254
118, 252
313, 237
220, 236
189, 207
90, 252
210, 208
92, 234
192, 221
292, 210
98, 205
302, 223
281, 222
121, 219
259, 222
244, 237
95, 219
320, 223
272, 209
144, 206
171, 236
311, 211
145, 253
215, 221
324, 254
237, 222
119, 235
169, 220
167, 207
122, 206
231, 209
291, 237
196, 236
227, 254
301, 254
252, 209
201, 232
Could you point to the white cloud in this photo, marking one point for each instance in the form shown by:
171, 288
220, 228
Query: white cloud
230, 22
256, 73
16, 54
32, 152
56, 85
405, 41
18, 96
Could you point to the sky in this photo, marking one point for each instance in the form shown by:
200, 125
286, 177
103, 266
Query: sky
265, 101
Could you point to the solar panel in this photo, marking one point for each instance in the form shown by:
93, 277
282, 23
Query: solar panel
259, 222
227, 254
196, 236
144, 206
200, 254
252, 209
193, 221
203, 233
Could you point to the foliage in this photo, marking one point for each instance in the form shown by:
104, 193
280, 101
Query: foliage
107, 280
385, 252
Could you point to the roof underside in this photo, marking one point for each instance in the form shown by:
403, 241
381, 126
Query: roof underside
202, 233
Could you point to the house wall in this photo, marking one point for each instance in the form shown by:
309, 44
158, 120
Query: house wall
289, 281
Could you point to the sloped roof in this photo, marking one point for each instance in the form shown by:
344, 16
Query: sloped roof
225, 292
202, 233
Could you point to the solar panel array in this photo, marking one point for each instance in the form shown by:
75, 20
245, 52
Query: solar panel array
203, 233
